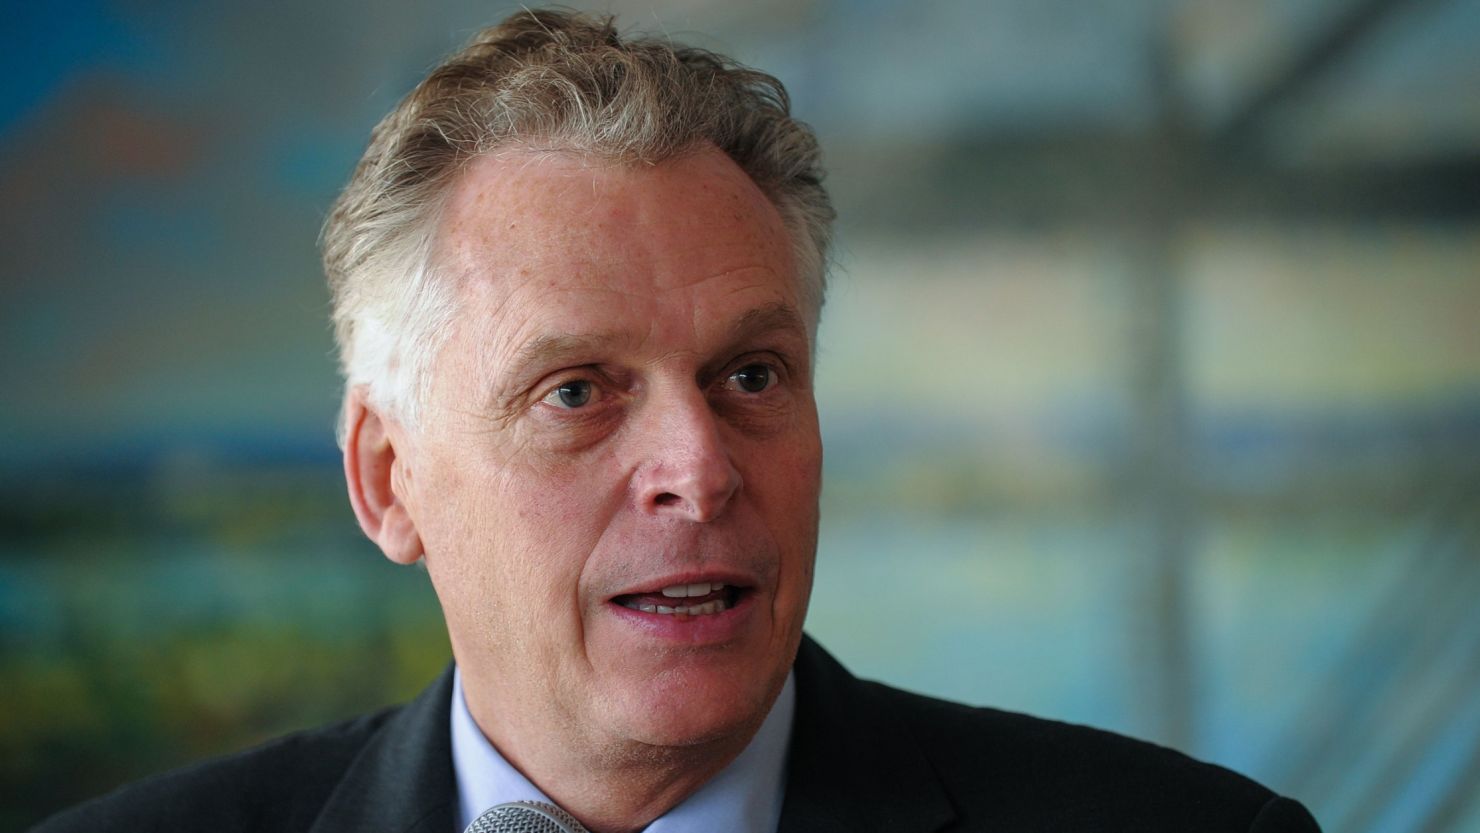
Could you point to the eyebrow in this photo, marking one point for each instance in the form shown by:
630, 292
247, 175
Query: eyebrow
769, 318
777, 317
562, 349
559, 349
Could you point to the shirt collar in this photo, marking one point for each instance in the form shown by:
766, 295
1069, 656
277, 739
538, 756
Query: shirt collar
745, 797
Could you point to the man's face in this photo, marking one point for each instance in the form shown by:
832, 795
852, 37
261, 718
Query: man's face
623, 413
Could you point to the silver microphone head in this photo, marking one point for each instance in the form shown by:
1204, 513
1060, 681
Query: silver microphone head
525, 817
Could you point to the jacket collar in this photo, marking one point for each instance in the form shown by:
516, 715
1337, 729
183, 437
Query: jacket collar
852, 766
853, 763
402, 780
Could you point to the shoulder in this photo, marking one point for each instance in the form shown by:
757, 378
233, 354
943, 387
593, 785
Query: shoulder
1026, 747
1029, 769
905, 757
279, 786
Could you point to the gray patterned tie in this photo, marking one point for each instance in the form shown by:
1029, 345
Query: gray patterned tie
525, 817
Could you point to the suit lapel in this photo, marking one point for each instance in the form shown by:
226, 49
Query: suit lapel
853, 766
402, 780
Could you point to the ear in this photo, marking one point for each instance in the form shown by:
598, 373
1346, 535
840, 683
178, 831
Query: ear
377, 479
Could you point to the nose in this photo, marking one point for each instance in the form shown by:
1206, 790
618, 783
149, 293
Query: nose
686, 470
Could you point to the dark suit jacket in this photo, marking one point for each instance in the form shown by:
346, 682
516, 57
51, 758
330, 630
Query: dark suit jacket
863, 757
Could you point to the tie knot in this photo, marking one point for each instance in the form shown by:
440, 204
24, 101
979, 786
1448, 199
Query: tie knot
525, 817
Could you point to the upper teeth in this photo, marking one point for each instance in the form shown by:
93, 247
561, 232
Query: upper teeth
679, 591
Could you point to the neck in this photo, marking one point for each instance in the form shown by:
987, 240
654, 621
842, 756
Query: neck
625, 796
610, 787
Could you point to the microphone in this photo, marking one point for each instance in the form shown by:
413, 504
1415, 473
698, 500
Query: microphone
525, 817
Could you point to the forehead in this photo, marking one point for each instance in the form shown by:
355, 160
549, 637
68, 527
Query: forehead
542, 240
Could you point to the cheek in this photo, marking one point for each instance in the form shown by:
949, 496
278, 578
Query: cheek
546, 520
785, 479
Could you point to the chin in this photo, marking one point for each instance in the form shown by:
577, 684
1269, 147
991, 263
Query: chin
678, 710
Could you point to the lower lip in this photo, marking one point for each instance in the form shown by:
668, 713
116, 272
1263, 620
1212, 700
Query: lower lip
709, 629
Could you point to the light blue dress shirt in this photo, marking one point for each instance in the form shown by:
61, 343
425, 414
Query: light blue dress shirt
745, 797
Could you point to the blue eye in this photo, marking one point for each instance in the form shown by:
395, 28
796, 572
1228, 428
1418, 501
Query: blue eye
573, 394
753, 378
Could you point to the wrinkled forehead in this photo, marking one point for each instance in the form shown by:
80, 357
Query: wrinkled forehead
540, 240
552, 217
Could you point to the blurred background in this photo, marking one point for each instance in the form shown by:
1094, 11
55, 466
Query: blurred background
1150, 376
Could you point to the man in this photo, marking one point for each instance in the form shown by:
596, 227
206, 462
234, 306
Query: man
577, 281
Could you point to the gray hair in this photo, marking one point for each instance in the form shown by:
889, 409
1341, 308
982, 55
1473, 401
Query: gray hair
552, 79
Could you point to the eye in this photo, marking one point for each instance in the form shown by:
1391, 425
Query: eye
753, 378
573, 394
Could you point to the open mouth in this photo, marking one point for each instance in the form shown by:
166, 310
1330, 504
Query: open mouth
702, 599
